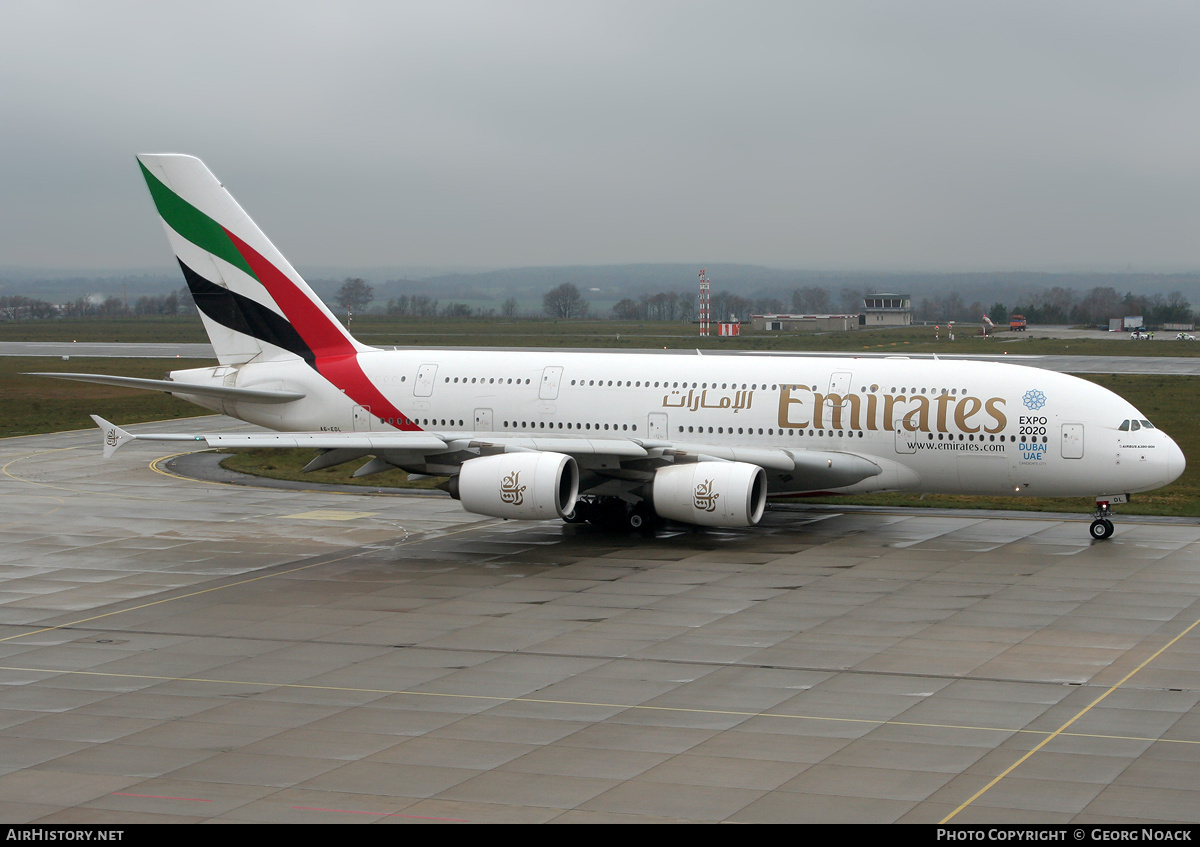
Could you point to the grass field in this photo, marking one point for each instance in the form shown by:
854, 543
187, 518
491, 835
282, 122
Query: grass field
35, 405
286, 464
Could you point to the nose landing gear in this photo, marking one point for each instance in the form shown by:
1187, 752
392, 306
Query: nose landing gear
1102, 527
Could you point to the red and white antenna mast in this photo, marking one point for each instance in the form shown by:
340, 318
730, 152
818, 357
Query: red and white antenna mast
704, 303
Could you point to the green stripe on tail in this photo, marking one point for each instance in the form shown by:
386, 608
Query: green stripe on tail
193, 224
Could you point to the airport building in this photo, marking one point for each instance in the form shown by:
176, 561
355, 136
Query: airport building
880, 309
804, 323
887, 310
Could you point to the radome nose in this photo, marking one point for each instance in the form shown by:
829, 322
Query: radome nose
1176, 463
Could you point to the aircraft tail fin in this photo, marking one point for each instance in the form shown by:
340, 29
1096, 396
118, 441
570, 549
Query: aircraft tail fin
254, 305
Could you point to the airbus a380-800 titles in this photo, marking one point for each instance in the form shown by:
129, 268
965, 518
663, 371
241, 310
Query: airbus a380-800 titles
614, 437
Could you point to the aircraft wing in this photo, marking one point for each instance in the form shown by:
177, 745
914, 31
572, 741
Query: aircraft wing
361, 442
351, 444
444, 452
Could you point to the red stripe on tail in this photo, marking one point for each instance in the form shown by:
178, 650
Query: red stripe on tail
336, 356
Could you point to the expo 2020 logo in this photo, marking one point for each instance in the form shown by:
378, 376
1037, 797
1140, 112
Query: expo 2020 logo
1034, 399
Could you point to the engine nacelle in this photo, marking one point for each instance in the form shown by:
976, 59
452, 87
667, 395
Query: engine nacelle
711, 493
523, 486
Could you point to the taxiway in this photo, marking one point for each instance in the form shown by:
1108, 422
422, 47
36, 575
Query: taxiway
179, 650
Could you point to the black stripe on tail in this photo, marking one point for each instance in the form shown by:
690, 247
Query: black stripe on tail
241, 314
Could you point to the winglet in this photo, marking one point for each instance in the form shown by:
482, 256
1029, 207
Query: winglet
114, 436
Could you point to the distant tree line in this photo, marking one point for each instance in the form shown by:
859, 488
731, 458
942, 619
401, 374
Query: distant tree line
663, 306
25, 308
1058, 305
670, 305
16, 307
176, 303
424, 307
1052, 305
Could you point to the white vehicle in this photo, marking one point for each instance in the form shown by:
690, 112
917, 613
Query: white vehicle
1185, 336
620, 437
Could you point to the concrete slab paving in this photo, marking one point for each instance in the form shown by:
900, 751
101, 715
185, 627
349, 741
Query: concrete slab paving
180, 651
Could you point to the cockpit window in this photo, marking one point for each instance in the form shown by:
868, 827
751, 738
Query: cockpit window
1134, 426
1124, 427
1147, 425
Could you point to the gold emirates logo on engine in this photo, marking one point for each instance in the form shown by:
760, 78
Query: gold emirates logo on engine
511, 490
800, 406
705, 499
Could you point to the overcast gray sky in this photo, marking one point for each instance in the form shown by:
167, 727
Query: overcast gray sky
950, 135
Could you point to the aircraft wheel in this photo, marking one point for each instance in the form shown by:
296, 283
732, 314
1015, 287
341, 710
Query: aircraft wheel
640, 518
574, 516
1102, 529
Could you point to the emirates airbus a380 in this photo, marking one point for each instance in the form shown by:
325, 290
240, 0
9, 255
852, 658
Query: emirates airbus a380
620, 437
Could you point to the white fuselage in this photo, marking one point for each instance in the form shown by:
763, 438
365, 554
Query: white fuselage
937, 426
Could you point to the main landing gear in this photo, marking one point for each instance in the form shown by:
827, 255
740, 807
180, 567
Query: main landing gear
1102, 526
614, 514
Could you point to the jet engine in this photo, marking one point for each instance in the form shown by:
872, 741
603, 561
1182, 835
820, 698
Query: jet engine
523, 486
711, 493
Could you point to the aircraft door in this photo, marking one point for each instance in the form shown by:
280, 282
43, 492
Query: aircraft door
551, 377
362, 419
423, 387
483, 420
905, 439
1072, 441
658, 426
839, 383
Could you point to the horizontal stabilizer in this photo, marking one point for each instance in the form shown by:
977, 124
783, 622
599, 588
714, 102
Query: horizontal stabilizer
253, 395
